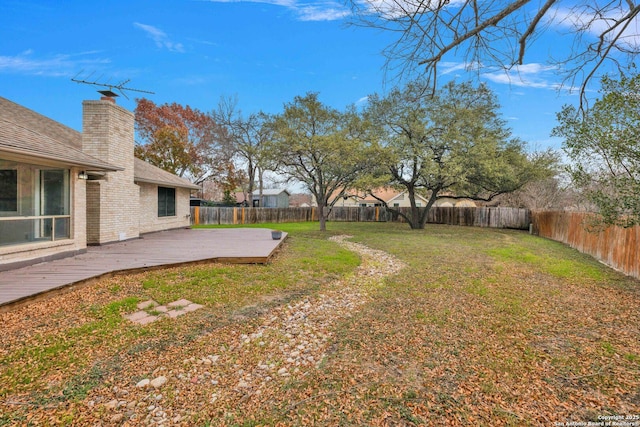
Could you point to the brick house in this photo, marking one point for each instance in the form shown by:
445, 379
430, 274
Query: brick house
399, 199
61, 190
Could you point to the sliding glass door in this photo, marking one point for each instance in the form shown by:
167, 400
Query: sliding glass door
34, 203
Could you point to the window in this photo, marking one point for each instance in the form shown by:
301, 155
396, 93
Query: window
166, 201
54, 200
40, 197
8, 190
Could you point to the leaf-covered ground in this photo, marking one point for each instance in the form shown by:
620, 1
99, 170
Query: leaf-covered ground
445, 326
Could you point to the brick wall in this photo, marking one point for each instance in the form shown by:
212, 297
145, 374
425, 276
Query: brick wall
149, 220
108, 134
93, 212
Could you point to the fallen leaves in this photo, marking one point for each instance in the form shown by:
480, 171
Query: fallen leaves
453, 337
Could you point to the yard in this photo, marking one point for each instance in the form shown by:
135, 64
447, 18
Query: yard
444, 326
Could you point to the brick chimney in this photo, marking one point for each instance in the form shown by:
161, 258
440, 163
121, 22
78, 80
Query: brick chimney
112, 202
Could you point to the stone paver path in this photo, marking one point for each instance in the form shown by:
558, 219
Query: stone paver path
150, 311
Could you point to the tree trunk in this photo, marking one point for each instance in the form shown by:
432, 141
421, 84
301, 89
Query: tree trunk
260, 186
252, 177
432, 200
415, 221
321, 217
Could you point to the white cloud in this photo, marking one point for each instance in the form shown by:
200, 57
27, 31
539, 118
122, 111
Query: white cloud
60, 65
363, 100
391, 9
446, 67
584, 18
321, 13
306, 11
533, 75
160, 38
286, 3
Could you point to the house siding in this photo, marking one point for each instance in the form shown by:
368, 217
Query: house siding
107, 133
282, 200
271, 199
149, 220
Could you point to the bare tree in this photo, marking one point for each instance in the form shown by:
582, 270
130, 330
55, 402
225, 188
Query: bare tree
500, 33
545, 194
248, 135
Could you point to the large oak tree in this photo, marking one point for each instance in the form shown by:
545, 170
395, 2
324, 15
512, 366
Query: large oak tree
453, 143
325, 149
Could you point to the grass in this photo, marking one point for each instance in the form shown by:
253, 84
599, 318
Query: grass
483, 327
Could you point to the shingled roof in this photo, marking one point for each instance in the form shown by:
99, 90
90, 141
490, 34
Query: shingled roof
146, 172
24, 132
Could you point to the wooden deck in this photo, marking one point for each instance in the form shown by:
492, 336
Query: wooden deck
167, 248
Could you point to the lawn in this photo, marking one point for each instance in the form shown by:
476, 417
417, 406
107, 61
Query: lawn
478, 327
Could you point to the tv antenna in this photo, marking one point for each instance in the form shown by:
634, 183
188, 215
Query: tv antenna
108, 87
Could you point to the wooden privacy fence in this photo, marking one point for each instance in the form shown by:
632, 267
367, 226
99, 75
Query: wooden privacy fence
616, 247
478, 217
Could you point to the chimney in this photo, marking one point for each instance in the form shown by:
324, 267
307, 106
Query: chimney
112, 203
108, 95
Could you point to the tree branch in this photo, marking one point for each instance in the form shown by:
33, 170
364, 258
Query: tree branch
494, 20
531, 28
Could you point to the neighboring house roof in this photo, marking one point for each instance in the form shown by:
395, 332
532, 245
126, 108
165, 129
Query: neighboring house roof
418, 197
386, 194
24, 132
239, 197
148, 173
271, 192
300, 200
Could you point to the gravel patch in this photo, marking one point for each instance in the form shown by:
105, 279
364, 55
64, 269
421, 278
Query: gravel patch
287, 343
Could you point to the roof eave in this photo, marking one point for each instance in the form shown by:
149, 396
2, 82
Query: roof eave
61, 159
165, 183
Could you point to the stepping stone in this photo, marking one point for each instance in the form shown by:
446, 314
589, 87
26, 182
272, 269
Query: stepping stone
137, 316
179, 303
192, 307
147, 320
146, 304
172, 310
175, 313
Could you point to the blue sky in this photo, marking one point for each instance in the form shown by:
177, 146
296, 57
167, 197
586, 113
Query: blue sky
192, 52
